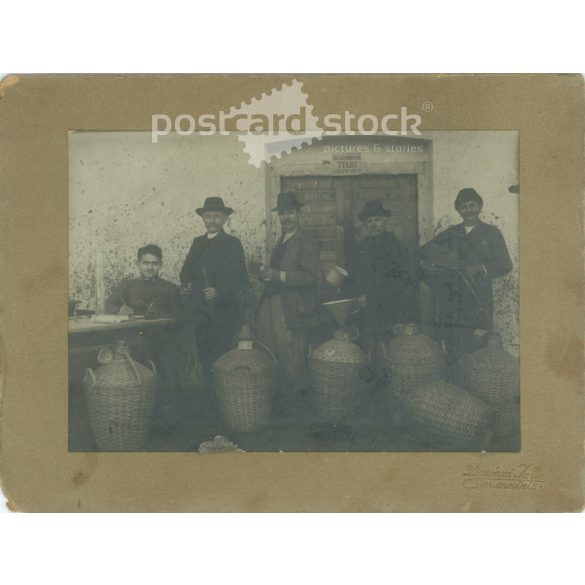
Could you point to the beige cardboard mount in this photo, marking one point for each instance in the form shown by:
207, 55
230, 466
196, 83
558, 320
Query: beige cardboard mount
39, 474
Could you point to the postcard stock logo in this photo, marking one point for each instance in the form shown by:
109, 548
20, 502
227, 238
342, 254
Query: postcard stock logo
280, 121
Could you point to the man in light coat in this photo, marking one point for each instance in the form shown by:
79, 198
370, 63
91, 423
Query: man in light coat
289, 301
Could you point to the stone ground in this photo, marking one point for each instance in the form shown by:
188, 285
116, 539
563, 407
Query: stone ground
186, 423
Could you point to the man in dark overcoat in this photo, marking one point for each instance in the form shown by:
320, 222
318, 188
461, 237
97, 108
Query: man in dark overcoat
213, 278
460, 265
381, 276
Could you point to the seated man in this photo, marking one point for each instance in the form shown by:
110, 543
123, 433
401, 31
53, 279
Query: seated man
149, 294
153, 296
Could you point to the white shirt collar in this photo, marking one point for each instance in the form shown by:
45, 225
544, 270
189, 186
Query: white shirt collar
211, 236
288, 236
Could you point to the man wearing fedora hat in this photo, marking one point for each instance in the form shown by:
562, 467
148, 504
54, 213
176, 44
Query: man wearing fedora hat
381, 276
460, 264
289, 300
213, 276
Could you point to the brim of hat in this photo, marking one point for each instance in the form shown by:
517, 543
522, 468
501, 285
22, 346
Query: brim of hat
458, 204
226, 210
385, 213
287, 207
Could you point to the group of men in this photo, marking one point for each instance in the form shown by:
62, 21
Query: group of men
459, 265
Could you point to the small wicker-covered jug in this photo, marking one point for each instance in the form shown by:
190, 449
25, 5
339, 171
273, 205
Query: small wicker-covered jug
120, 399
410, 360
449, 417
491, 373
334, 369
245, 379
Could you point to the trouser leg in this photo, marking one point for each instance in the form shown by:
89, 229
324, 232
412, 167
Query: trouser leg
287, 345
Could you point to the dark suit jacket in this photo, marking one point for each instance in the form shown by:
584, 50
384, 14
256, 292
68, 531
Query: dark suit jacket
482, 246
223, 259
382, 269
299, 257
138, 294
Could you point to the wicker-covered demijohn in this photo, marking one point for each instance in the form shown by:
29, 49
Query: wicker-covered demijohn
447, 416
245, 380
120, 399
334, 369
491, 373
410, 360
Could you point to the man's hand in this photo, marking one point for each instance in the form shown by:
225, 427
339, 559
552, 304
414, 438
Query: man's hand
267, 274
209, 293
479, 337
362, 301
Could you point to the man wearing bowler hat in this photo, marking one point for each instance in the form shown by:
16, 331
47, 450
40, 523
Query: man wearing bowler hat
289, 300
381, 276
460, 265
213, 277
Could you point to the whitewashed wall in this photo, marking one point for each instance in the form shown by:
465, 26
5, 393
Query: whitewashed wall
126, 192
488, 162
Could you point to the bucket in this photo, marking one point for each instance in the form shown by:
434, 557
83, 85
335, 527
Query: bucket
336, 276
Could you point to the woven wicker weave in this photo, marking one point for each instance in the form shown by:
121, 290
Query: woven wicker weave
244, 382
120, 399
410, 361
334, 369
448, 416
491, 373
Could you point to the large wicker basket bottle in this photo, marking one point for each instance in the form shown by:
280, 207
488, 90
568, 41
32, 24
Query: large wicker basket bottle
448, 417
245, 379
491, 373
410, 360
120, 399
334, 369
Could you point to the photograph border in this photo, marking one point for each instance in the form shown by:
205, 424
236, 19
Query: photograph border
39, 474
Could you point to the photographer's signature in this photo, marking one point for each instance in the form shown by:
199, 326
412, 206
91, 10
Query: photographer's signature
519, 477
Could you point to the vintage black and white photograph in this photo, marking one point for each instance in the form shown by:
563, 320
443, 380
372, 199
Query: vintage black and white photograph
356, 293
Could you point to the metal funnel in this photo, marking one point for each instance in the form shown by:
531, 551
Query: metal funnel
340, 310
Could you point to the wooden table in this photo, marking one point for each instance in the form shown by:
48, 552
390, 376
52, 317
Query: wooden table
86, 336
86, 325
